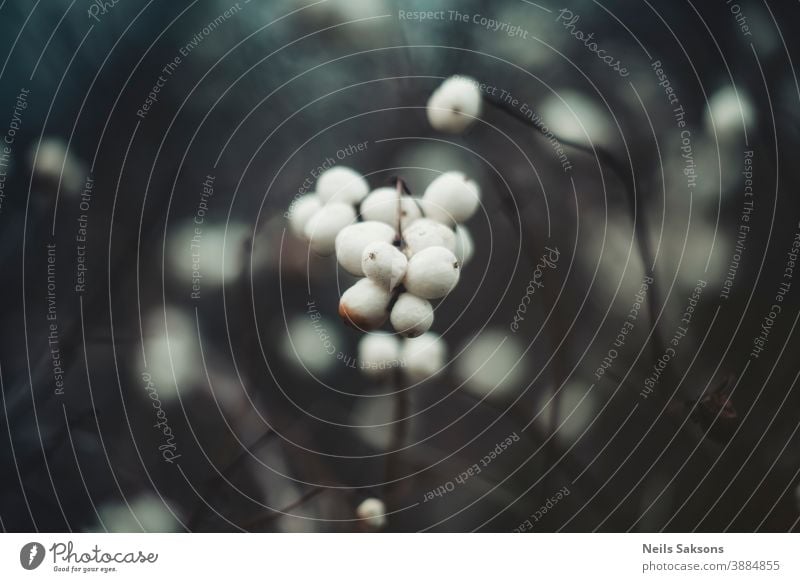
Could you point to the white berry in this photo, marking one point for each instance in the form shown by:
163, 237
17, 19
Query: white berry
384, 264
455, 105
322, 228
364, 305
432, 273
373, 512
465, 248
342, 184
451, 198
424, 233
423, 356
411, 315
381, 204
301, 211
378, 353
352, 240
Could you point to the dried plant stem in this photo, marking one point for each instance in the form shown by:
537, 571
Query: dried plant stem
625, 174
263, 520
214, 483
402, 413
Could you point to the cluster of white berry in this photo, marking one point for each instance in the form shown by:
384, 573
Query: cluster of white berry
408, 250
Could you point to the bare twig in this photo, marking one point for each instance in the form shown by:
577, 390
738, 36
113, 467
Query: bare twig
625, 174
402, 410
273, 515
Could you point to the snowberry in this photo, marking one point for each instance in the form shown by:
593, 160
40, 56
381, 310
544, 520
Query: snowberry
411, 315
384, 264
378, 353
451, 198
301, 211
381, 205
424, 233
352, 239
423, 356
432, 273
465, 248
373, 512
53, 161
322, 228
455, 105
341, 184
364, 305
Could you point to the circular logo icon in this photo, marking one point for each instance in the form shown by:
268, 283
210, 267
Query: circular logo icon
31, 555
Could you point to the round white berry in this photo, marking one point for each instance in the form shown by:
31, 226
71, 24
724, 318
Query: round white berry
381, 204
378, 353
342, 184
465, 248
424, 233
423, 356
451, 198
384, 264
301, 211
53, 161
364, 305
455, 105
373, 512
411, 315
322, 228
432, 273
352, 239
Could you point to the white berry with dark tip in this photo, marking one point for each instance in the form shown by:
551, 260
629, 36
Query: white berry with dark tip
411, 315
384, 264
363, 306
354, 238
455, 105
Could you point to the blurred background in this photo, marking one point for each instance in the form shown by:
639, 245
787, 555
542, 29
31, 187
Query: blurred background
138, 396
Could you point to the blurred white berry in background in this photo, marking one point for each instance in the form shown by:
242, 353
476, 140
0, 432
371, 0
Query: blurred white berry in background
50, 160
432, 273
492, 365
577, 408
342, 184
145, 513
373, 513
455, 104
322, 228
384, 264
210, 258
411, 315
729, 113
381, 205
354, 238
173, 350
573, 116
311, 344
301, 211
451, 198
423, 357
378, 354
